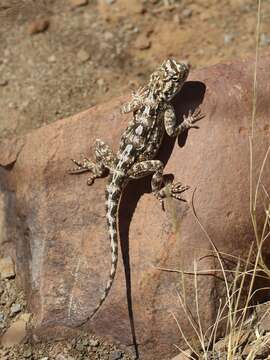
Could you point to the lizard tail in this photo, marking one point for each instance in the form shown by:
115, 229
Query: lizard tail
113, 196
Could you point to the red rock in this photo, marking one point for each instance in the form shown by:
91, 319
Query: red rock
15, 334
142, 43
57, 224
38, 26
7, 270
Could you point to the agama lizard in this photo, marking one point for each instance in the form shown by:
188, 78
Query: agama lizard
152, 116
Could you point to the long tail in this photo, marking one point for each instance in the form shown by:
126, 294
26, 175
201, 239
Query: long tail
113, 196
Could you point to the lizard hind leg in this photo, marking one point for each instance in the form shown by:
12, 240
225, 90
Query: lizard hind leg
159, 188
104, 159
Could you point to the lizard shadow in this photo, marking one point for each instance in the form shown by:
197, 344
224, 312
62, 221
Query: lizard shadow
189, 98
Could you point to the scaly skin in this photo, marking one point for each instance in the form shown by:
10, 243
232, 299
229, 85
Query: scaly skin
152, 116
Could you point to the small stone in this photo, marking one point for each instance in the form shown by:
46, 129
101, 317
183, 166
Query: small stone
52, 58
3, 83
14, 334
116, 355
2, 317
108, 36
83, 55
176, 19
7, 269
38, 26
140, 9
228, 38
100, 82
44, 358
94, 343
186, 13
110, 2
264, 39
77, 3
142, 43
15, 309
27, 353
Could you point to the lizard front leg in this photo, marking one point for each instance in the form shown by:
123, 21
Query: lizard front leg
136, 102
160, 191
104, 159
189, 121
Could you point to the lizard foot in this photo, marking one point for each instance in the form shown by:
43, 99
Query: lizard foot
173, 190
83, 166
176, 190
191, 119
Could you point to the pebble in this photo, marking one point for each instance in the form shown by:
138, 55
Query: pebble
83, 55
142, 43
7, 270
15, 309
110, 2
264, 39
27, 353
52, 58
227, 38
38, 26
100, 82
108, 35
77, 3
3, 82
2, 317
187, 13
93, 343
176, 19
116, 355
44, 358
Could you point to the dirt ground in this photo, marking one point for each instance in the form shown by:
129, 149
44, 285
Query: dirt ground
59, 57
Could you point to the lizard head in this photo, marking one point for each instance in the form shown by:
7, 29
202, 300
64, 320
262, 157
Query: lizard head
168, 79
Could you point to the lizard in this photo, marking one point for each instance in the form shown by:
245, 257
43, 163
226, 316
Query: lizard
153, 115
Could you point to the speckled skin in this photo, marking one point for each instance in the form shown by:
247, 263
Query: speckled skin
152, 116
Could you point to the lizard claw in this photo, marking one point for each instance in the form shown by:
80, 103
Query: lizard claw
177, 189
173, 190
192, 118
81, 166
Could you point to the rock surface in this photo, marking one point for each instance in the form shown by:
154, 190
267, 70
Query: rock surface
7, 270
15, 334
56, 225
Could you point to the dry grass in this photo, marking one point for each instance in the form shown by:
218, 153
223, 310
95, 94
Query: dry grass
243, 336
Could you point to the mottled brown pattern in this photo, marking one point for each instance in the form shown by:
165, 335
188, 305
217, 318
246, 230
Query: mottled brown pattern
152, 116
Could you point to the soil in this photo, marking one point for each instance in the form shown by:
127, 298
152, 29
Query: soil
15, 321
59, 57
